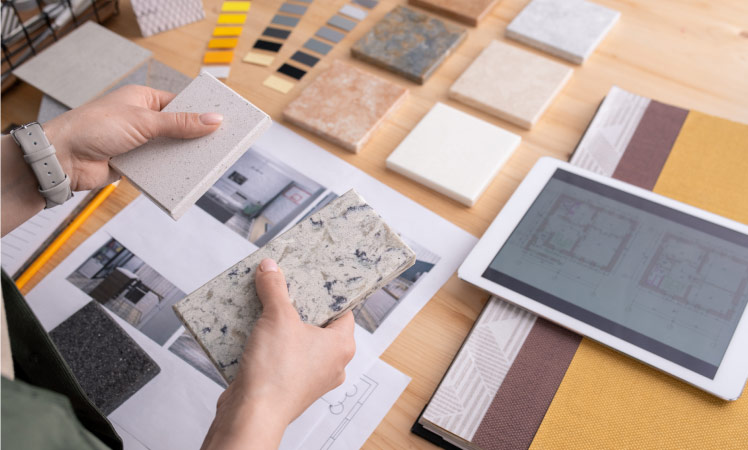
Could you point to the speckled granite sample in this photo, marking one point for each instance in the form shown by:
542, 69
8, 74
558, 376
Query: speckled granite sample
345, 105
332, 261
569, 29
469, 12
511, 83
109, 365
83, 64
174, 173
453, 153
410, 43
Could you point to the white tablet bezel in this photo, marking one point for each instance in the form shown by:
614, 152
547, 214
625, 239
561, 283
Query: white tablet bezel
730, 379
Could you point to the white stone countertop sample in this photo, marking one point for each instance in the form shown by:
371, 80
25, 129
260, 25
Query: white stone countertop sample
332, 260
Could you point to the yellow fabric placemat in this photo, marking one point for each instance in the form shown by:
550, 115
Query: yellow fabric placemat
610, 401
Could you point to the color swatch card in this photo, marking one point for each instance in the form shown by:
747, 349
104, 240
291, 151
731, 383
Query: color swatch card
156, 16
510, 83
345, 105
83, 64
409, 43
569, 29
469, 12
174, 173
453, 153
274, 35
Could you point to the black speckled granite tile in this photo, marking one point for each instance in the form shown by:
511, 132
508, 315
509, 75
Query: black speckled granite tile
410, 43
109, 364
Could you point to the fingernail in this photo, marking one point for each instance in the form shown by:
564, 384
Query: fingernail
211, 118
268, 265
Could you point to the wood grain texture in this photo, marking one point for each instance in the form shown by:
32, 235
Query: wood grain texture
688, 53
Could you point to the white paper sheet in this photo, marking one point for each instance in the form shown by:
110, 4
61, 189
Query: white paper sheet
175, 409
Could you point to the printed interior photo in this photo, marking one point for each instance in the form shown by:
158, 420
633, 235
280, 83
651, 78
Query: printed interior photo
119, 280
258, 197
187, 348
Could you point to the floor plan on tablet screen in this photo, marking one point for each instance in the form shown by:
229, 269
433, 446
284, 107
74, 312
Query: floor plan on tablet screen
674, 286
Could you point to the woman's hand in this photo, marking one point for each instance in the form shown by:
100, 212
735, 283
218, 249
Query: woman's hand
286, 366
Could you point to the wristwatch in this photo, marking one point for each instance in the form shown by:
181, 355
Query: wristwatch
54, 184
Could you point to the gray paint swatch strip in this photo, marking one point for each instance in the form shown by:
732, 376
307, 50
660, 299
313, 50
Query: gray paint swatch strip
342, 23
317, 46
285, 20
330, 34
371, 4
293, 9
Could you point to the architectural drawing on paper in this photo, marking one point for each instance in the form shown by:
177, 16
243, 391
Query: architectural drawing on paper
349, 405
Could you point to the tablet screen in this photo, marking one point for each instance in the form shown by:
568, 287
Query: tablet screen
668, 282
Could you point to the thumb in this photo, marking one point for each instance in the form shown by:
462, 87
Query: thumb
272, 290
182, 125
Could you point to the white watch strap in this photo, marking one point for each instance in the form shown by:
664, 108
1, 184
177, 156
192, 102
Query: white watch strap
54, 184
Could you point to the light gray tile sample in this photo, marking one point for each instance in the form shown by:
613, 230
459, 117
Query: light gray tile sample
285, 20
318, 46
174, 173
352, 11
139, 76
332, 261
290, 8
50, 108
83, 64
569, 29
330, 34
342, 23
164, 78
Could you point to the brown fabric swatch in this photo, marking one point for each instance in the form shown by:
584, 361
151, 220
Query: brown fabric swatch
650, 145
526, 393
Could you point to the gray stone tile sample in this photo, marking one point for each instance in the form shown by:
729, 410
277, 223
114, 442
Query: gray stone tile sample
174, 173
332, 261
290, 8
317, 46
164, 78
109, 365
83, 64
50, 108
342, 23
330, 34
139, 76
409, 42
285, 20
569, 29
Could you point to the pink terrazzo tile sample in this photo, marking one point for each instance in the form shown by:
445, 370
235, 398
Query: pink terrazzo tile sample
345, 105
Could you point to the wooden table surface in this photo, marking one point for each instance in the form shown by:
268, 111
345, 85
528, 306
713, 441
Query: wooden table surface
691, 53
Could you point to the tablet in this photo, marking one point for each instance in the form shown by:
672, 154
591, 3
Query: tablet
656, 279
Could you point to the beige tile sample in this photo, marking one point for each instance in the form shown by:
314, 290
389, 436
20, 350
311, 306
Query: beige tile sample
174, 173
345, 105
332, 261
469, 12
510, 83
453, 153
83, 64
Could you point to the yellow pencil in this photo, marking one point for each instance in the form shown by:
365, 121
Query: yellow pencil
65, 235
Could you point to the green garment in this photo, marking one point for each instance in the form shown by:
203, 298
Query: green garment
52, 410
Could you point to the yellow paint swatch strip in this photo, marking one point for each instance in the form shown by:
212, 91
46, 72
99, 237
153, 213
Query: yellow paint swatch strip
227, 31
258, 59
223, 43
231, 19
236, 6
218, 57
279, 84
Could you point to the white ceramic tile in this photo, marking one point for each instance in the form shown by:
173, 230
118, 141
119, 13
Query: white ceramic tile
174, 173
453, 153
569, 29
217, 71
83, 64
353, 12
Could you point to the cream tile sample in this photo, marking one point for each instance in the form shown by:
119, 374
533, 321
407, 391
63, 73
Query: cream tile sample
510, 83
174, 173
83, 64
332, 261
218, 71
569, 29
466, 11
345, 105
453, 153
156, 16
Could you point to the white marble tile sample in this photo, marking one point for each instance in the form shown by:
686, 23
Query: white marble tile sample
83, 64
510, 83
453, 153
174, 173
569, 29
332, 260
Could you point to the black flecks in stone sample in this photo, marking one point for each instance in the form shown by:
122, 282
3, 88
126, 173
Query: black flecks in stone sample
267, 45
328, 286
224, 329
351, 209
318, 223
276, 33
109, 365
305, 58
292, 71
340, 301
